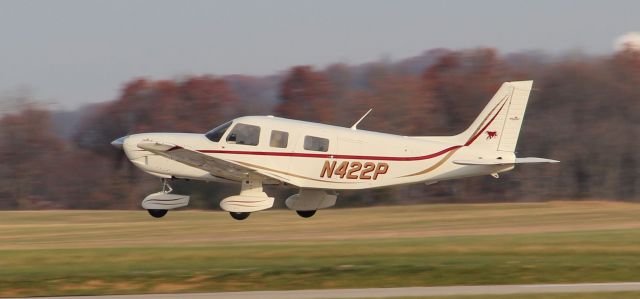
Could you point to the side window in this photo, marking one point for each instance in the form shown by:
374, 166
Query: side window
279, 139
244, 134
318, 144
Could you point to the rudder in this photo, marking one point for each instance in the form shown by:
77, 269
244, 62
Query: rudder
515, 115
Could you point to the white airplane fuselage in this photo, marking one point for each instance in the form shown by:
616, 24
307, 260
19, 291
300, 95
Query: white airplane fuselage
319, 158
355, 159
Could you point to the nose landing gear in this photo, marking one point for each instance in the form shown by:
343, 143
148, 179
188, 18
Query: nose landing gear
158, 204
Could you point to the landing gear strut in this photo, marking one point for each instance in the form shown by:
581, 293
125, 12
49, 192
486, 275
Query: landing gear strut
306, 214
166, 188
239, 215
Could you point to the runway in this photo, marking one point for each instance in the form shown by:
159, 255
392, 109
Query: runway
389, 292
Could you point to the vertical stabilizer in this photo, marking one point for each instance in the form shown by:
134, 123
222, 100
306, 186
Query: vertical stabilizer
498, 126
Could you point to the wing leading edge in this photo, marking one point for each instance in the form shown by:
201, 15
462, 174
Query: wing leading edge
216, 166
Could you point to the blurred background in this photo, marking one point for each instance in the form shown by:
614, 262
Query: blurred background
75, 75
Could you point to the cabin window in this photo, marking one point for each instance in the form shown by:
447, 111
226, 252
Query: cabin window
318, 144
244, 134
279, 139
215, 134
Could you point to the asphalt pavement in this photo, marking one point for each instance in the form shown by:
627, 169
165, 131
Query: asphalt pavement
389, 292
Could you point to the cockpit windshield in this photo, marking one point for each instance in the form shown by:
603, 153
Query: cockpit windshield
216, 134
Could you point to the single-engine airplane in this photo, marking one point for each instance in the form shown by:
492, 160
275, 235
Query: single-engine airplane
322, 159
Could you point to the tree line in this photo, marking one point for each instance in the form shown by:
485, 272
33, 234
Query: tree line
584, 110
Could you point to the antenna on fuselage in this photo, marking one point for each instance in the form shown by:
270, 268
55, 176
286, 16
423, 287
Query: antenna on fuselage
354, 127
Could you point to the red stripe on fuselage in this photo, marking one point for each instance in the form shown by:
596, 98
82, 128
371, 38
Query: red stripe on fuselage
330, 156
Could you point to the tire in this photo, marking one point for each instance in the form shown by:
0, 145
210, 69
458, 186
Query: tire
239, 215
306, 214
157, 213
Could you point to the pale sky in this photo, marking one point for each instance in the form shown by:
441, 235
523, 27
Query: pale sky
75, 52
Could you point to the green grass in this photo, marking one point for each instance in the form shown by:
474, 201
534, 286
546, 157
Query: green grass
88, 252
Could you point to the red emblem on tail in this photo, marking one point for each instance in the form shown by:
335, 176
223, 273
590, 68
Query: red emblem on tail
491, 134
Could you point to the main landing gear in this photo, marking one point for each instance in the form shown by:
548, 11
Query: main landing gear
239, 215
157, 213
306, 214
308, 201
251, 199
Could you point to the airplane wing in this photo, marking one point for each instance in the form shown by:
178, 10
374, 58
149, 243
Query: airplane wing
216, 166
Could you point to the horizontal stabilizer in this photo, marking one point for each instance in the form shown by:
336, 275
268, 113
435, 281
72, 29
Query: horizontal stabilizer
480, 162
501, 162
534, 160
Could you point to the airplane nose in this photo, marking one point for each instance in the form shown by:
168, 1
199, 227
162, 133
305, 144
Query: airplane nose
118, 143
